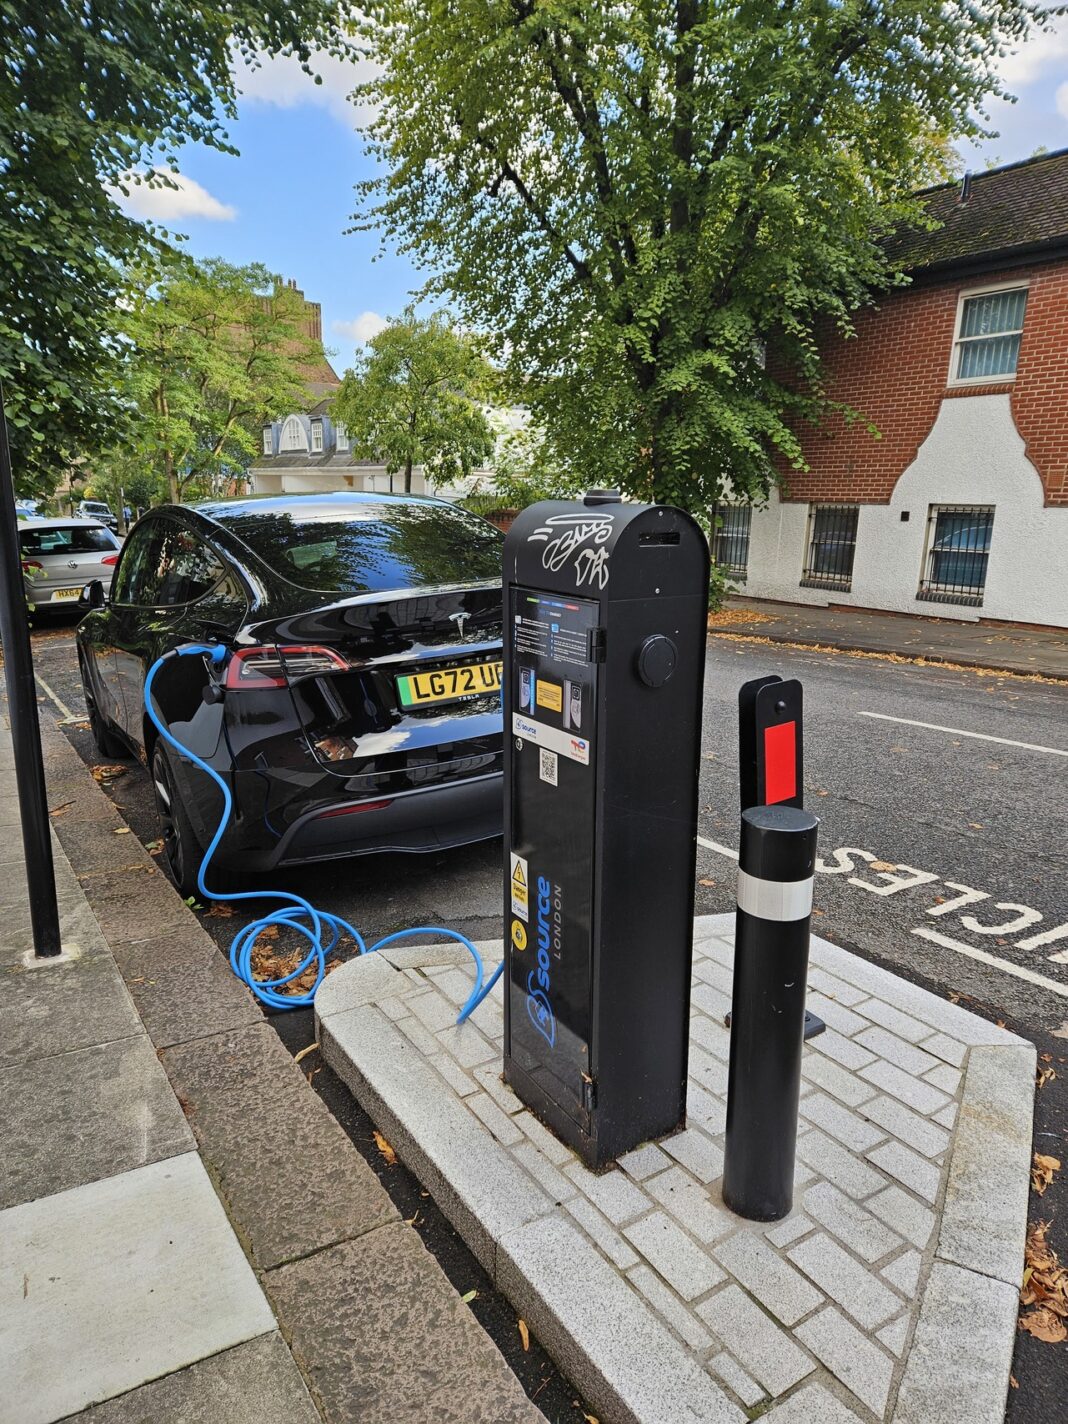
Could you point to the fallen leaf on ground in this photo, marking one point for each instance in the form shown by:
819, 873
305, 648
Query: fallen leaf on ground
706, 881
1014, 1383
385, 1149
121, 831
305, 1051
590, 1418
58, 810
1045, 1075
154, 847
107, 773
524, 1334
1044, 1325
219, 912
1042, 1170
469, 1297
976, 825
882, 865
818, 912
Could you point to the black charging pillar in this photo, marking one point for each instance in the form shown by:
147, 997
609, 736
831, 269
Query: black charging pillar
605, 609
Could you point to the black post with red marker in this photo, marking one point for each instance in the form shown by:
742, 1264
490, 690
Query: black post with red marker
776, 865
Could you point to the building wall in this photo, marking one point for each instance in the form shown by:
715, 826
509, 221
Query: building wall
1001, 444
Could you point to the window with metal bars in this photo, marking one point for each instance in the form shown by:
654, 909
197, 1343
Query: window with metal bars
989, 328
730, 540
832, 542
958, 548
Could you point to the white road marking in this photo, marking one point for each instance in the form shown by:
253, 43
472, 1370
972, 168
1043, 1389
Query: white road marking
719, 849
68, 715
959, 732
1019, 970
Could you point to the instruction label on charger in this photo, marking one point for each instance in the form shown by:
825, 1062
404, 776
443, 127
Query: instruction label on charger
520, 887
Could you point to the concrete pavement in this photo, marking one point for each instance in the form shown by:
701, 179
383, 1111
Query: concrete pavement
175, 1201
1002, 647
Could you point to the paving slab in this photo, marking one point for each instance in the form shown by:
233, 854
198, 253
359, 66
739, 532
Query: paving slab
257, 1383
289, 1175
183, 987
111, 1284
824, 1305
54, 1006
76, 1117
382, 1337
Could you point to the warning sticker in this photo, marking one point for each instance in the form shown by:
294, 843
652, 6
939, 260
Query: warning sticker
550, 695
548, 766
520, 887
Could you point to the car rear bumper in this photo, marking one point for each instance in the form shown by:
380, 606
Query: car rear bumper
428, 819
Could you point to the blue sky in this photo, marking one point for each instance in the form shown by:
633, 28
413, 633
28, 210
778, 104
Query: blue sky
287, 200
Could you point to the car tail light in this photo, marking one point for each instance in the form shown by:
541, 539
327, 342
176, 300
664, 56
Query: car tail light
32, 567
257, 668
355, 810
111, 560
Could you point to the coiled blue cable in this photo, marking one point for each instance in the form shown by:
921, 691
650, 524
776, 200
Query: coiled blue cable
296, 913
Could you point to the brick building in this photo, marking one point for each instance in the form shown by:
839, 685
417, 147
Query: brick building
960, 507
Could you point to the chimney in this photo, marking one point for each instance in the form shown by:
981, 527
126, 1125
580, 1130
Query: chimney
965, 188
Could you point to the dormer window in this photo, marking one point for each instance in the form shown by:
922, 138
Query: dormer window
294, 436
341, 435
317, 434
268, 440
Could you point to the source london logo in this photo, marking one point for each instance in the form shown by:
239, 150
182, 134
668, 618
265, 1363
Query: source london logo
538, 983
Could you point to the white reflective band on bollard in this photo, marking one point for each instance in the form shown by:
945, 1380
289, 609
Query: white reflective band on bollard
774, 899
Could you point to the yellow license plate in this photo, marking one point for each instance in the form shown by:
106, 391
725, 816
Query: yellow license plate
66, 593
447, 684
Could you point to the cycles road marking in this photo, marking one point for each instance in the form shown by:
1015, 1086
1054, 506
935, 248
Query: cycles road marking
1019, 970
898, 878
959, 732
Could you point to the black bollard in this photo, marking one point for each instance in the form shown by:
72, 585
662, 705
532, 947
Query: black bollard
776, 863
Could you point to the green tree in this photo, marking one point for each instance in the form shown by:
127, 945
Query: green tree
641, 200
416, 397
214, 352
89, 93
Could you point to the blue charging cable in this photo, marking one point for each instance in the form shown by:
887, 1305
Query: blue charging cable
296, 913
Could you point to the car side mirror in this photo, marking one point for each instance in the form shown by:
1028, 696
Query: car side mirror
93, 595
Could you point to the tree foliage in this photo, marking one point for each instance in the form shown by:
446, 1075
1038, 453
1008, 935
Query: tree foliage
415, 397
213, 352
642, 199
90, 90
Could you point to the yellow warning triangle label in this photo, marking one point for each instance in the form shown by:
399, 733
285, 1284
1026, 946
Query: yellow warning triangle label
517, 873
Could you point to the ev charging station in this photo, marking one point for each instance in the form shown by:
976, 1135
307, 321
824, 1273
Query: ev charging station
605, 615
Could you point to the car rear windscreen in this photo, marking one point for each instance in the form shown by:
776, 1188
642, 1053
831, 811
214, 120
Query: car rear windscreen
68, 539
375, 547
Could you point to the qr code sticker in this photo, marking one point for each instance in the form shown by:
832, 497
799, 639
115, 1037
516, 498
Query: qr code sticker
548, 763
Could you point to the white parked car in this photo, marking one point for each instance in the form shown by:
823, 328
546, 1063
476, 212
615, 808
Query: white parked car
60, 556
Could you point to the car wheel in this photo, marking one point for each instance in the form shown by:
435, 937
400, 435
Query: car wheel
180, 845
107, 743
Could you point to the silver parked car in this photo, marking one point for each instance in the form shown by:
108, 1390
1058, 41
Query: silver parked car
60, 556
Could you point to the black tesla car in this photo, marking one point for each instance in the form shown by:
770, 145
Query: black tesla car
359, 706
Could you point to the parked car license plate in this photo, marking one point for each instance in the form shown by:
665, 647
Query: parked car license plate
66, 593
448, 684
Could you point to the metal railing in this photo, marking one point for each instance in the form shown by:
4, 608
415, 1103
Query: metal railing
832, 542
958, 549
730, 538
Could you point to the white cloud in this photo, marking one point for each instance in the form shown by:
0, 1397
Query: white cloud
181, 198
366, 325
1032, 59
279, 80
1062, 100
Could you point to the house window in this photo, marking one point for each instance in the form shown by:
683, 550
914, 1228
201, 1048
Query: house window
958, 547
317, 434
268, 440
294, 436
730, 538
341, 435
832, 542
987, 344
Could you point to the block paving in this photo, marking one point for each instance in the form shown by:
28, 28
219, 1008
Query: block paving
806, 1319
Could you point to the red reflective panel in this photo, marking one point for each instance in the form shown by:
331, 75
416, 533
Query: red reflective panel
780, 763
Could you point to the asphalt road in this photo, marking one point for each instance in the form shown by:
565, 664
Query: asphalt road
944, 856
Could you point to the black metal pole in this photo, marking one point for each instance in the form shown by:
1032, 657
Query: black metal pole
776, 864
22, 711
